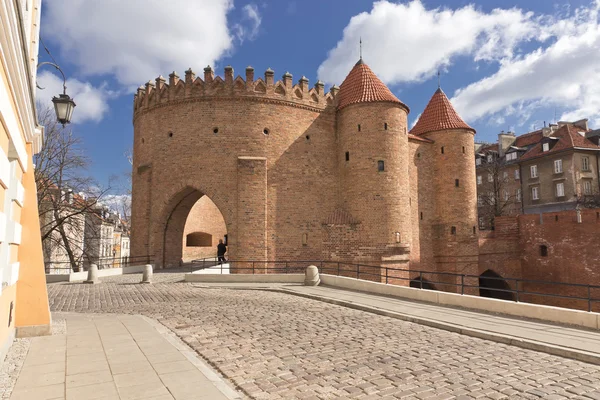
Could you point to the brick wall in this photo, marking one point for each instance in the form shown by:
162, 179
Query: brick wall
513, 251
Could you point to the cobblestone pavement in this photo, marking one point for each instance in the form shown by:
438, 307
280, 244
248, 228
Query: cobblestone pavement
279, 346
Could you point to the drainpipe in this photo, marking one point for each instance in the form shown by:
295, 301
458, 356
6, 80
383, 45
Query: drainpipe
522, 191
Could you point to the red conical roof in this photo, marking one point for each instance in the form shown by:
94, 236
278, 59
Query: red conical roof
439, 115
363, 86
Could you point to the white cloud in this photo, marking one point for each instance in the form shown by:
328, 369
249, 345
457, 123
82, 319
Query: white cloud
415, 121
406, 42
565, 75
252, 16
543, 61
136, 40
90, 102
120, 203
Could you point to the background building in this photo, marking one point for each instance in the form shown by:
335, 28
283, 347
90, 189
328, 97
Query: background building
23, 301
548, 170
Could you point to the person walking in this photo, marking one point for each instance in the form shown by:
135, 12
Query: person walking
221, 250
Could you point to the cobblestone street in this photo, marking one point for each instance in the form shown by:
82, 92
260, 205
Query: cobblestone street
278, 346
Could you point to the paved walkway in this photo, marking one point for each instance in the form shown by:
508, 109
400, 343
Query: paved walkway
279, 346
109, 357
580, 344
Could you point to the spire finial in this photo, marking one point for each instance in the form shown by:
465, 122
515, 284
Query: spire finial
360, 47
439, 79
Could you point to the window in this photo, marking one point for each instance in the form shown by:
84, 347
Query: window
545, 146
347, 156
544, 250
380, 165
587, 187
481, 223
505, 175
478, 161
585, 163
511, 156
560, 189
463, 149
385, 126
517, 174
490, 178
442, 149
558, 166
453, 230
456, 183
533, 171
492, 198
506, 195
421, 215
479, 200
474, 230
359, 127
535, 195
490, 158
479, 179
518, 194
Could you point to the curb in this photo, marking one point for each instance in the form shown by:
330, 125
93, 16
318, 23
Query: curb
567, 352
190, 354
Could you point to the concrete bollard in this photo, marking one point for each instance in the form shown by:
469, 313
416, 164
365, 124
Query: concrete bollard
92, 274
311, 276
147, 276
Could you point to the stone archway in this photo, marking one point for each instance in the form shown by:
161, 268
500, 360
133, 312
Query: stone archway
493, 285
204, 227
170, 249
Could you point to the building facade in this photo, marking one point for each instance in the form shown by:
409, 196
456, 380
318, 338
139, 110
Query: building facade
548, 170
24, 309
300, 174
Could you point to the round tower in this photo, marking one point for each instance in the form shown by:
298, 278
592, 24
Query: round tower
455, 205
373, 158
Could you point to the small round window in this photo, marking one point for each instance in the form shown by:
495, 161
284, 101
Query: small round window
215, 130
266, 131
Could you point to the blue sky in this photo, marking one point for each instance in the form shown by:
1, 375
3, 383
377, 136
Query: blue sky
506, 65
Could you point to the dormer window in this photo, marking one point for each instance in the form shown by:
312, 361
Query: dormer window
490, 158
545, 146
478, 161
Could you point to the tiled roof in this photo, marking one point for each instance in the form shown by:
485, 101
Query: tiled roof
363, 86
568, 138
439, 115
488, 147
528, 139
419, 139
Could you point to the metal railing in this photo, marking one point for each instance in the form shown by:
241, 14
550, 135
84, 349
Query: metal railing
512, 289
65, 267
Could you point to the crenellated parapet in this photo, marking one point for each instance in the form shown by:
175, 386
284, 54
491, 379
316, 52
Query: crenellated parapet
213, 88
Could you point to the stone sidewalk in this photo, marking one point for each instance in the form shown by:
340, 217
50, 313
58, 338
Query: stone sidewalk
109, 357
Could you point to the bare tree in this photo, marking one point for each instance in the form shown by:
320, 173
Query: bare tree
498, 194
63, 188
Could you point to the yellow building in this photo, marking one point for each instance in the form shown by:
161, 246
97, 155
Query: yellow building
24, 307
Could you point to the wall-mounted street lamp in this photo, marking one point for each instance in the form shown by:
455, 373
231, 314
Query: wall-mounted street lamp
63, 104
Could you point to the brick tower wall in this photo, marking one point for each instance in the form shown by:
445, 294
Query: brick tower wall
455, 206
422, 195
379, 200
177, 151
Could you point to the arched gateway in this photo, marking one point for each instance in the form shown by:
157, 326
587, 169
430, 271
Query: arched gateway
299, 174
